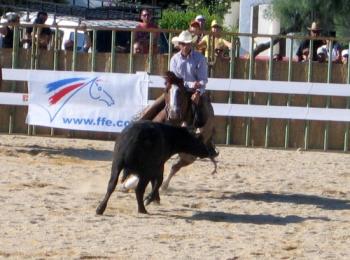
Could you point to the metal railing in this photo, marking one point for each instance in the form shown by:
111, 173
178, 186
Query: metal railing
117, 11
234, 56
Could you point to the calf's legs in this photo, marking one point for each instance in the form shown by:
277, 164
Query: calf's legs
116, 168
154, 194
140, 191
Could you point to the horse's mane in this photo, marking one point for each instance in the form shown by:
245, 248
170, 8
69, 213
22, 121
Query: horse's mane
171, 78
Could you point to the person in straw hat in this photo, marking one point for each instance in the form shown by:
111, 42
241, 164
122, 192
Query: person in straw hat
192, 67
220, 44
314, 31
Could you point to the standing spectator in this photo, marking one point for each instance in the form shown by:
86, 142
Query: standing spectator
201, 20
220, 44
196, 35
144, 37
83, 40
7, 31
41, 18
314, 31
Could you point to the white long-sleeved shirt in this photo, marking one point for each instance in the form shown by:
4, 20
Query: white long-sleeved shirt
192, 68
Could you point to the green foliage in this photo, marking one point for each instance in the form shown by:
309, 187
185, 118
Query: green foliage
218, 7
176, 19
332, 15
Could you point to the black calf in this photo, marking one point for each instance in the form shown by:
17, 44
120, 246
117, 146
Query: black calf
143, 149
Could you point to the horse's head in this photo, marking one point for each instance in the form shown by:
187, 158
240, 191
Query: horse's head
98, 93
177, 99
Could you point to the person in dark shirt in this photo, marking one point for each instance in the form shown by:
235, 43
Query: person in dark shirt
44, 33
7, 31
315, 31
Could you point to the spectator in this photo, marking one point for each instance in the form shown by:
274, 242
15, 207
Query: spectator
44, 34
277, 57
144, 37
7, 31
323, 52
83, 40
345, 56
196, 35
201, 20
69, 45
314, 31
138, 48
220, 44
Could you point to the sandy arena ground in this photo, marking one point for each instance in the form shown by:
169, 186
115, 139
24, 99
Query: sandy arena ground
262, 204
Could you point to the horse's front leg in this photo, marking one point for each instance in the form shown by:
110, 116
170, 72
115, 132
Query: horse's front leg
174, 169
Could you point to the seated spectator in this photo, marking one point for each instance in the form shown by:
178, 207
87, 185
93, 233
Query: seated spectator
144, 37
277, 57
138, 48
345, 56
219, 43
7, 31
314, 31
324, 50
322, 54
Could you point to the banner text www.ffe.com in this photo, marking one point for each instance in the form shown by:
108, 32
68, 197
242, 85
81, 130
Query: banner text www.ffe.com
100, 121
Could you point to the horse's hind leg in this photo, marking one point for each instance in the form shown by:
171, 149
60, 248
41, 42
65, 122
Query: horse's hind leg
116, 168
174, 169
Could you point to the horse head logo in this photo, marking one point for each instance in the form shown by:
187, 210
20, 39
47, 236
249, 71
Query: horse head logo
62, 91
97, 92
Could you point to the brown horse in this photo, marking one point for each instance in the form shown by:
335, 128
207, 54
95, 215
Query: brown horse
175, 107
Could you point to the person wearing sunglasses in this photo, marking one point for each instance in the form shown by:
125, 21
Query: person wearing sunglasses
142, 37
314, 31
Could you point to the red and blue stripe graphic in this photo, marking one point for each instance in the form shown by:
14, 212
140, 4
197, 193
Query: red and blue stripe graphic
62, 88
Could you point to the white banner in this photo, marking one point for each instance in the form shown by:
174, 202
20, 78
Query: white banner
86, 101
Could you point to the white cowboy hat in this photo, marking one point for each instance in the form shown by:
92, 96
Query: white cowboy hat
315, 26
185, 37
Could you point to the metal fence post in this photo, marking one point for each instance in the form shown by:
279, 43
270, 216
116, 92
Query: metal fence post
268, 121
328, 100
249, 95
289, 99
308, 102
15, 49
346, 134
230, 96
113, 53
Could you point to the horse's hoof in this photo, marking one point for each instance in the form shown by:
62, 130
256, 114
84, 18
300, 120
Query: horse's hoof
164, 188
147, 202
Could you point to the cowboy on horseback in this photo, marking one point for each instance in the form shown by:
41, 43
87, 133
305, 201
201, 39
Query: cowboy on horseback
192, 67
